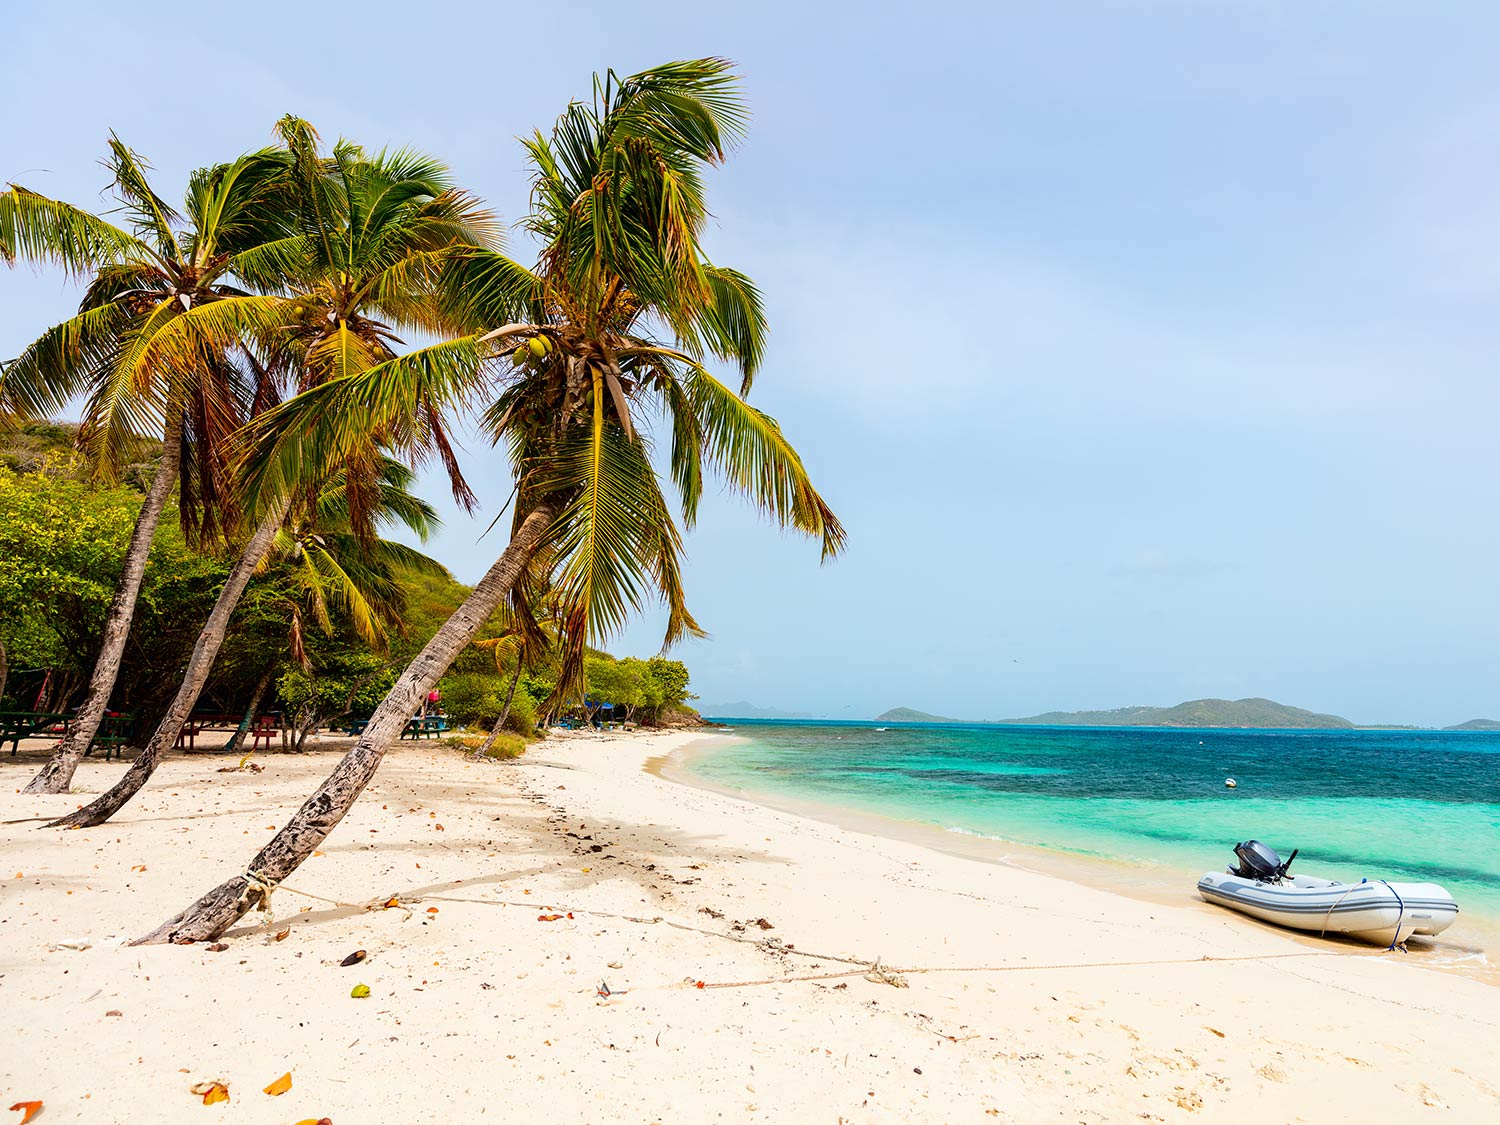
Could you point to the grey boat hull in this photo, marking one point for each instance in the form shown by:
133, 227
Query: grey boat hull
1379, 912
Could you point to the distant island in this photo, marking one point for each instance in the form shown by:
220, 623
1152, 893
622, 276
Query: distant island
907, 715
743, 710
1477, 724
1195, 713
1250, 713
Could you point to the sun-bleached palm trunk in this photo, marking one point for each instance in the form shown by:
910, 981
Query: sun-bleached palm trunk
200, 664
221, 907
510, 696
57, 775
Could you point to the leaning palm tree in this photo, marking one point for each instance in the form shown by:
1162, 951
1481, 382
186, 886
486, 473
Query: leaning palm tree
617, 319
152, 347
373, 234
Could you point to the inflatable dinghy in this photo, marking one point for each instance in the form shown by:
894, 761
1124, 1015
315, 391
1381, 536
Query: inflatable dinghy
1371, 910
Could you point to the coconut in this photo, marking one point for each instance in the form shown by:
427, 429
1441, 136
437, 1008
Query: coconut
539, 346
520, 355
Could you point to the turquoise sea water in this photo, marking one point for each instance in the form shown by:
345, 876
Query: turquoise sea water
1410, 805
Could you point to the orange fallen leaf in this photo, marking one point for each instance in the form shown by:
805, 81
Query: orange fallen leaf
315, 854
548, 917
439, 827
31, 1109
280, 1086
700, 984
282, 935
315, 1121
432, 910
392, 901
138, 867
212, 1092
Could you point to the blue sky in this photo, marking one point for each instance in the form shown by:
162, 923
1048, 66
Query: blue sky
1147, 348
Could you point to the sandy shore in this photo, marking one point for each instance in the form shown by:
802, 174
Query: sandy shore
1039, 999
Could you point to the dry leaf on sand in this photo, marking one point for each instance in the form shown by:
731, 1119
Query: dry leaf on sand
212, 1092
30, 1109
280, 1086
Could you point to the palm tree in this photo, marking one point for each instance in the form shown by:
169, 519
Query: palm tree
619, 208
335, 573
153, 348
373, 234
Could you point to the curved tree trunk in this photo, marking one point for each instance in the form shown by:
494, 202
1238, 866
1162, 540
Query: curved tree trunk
221, 907
200, 664
57, 774
510, 696
250, 712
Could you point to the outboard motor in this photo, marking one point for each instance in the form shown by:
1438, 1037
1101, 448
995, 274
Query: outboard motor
1260, 862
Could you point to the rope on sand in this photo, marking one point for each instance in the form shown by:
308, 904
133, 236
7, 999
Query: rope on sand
880, 974
873, 971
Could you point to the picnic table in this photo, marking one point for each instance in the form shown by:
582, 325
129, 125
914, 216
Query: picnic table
430, 727
16, 725
113, 732
264, 726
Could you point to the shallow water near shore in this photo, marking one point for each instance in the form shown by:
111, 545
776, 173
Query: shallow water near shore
1148, 810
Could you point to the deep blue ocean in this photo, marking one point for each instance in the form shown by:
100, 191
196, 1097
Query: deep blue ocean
1410, 805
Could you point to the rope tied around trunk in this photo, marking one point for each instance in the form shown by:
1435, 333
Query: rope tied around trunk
254, 881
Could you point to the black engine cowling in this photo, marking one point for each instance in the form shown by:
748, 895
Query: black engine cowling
1259, 861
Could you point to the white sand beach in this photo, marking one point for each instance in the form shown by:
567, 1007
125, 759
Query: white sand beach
735, 942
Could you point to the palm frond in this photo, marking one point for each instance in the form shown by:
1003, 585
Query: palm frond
312, 433
34, 228
63, 362
748, 447
152, 216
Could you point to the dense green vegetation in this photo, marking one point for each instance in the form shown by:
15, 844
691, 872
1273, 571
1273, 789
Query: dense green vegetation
61, 538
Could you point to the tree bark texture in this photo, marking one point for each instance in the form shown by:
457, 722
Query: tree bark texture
199, 665
57, 775
208, 917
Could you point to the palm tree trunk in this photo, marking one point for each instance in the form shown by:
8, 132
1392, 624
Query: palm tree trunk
57, 774
250, 712
499, 726
221, 907
200, 664
4, 669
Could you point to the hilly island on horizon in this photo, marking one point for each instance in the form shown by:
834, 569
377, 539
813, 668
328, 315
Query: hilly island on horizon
1250, 713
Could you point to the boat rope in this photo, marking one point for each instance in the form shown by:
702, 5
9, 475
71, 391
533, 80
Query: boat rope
882, 974
1352, 888
1400, 914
